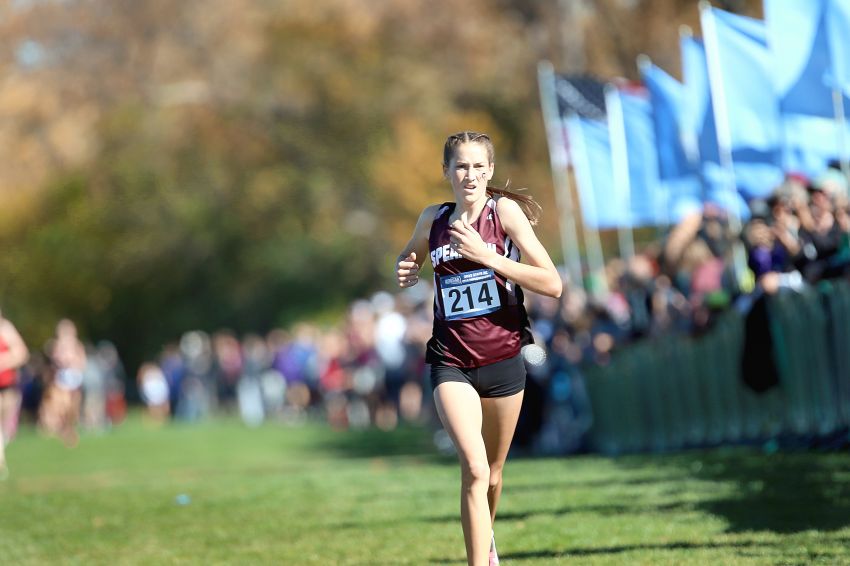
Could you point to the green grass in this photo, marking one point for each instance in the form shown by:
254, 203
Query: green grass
309, 495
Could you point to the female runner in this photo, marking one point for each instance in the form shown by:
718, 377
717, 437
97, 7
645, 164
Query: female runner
13, 354
480, 323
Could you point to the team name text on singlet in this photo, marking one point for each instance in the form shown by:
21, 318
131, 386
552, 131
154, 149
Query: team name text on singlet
447, 253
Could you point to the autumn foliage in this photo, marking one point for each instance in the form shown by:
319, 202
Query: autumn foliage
242, 163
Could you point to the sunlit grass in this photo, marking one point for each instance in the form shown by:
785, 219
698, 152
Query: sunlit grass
220, 493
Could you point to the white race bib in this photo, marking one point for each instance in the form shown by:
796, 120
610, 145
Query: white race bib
471, 293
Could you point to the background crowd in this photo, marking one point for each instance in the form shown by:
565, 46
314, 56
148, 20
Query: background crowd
369, 369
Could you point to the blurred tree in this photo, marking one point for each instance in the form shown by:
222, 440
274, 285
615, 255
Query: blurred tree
209, 163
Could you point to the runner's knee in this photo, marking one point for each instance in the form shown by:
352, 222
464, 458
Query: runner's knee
495, 476
475, 474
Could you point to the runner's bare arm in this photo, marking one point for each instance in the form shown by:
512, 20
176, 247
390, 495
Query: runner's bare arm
537, 274
411, 257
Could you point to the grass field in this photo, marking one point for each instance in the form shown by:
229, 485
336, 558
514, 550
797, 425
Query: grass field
219, 493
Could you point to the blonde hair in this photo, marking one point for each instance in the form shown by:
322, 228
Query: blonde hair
530, 207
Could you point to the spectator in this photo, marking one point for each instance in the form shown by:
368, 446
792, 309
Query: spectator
820, 234
228, 362
61, 406
94, 392
153, 389
390, 331
113, 378
198, 387
768, 258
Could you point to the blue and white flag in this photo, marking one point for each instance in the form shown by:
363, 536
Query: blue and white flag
698, 130
648, 198
812, 142
678, 173
838, 32
716, 186
750, 134
666, 94
809, 44
811, 59
590, 147
745, 66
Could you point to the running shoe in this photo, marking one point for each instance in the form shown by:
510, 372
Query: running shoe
494, 557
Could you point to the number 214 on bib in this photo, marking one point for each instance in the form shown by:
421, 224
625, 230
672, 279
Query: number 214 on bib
471, 293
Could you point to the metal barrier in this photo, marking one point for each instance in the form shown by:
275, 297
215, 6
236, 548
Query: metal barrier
675, 392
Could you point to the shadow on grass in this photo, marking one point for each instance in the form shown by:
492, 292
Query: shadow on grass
782, 492
372, 443
589, 483
620, 549
603, 510
595, 551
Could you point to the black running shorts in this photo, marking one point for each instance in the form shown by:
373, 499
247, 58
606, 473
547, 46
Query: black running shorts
501, 379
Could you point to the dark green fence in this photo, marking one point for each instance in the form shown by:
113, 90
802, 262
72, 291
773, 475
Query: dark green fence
676, 392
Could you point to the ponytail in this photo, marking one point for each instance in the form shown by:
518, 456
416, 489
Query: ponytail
530, 207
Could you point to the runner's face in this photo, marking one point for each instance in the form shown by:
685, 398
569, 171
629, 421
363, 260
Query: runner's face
469, 170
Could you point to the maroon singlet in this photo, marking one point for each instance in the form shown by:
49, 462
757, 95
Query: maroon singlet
471, 341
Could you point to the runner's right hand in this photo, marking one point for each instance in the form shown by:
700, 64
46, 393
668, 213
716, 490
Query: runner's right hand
407, 271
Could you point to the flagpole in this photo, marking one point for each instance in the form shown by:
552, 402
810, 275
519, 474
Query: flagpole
620, 166
559, 161
839, 78
592, 241
724, 136
841, 124
690, 142
783, 126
